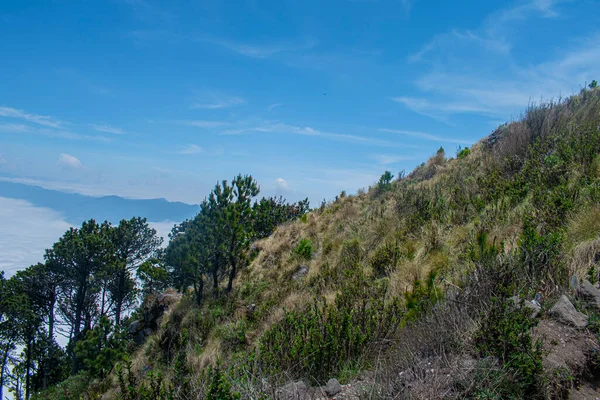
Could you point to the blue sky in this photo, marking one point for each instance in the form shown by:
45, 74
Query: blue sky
143, 98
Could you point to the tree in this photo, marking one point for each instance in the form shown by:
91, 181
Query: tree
9, 312
188, 260
80, 256
593, 85
234, 213
133, 242
101, 348
385, 181
273, 211
153, 274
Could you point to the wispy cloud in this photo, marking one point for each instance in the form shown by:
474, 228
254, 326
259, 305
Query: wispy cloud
277, 127
15, 128
425, 136
43, 120
281, 183
274, 106
53, 133
474, 71
108, 129
191, 149
389, 159
261, 50
202, 123
68, 161
216, 102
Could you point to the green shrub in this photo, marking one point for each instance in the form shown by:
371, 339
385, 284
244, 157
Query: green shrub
315, 342
385, 182
384, 258
219, 387
462, 153
234, 335
505, 333
304, 249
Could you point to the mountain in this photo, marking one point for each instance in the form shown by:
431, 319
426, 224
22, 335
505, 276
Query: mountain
473, 277
77, 208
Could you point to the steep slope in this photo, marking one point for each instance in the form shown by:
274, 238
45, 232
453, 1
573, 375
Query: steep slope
411, 275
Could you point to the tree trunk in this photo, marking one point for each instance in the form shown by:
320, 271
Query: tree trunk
198, 289
232, 273
120, 296
48, 362
80, 304
215, 276
28, 366
3, 369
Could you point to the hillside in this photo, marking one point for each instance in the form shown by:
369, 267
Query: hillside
404, 290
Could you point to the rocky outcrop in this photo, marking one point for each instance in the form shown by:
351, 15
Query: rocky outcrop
153, 310
332, 388
293, 391
564, 312
590, 295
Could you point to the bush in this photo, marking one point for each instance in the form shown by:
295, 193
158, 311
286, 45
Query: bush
315, 342
462, 153
385, 181
304, 249
505, 333
219, 387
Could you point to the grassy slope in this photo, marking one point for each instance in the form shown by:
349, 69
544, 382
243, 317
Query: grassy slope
428, 221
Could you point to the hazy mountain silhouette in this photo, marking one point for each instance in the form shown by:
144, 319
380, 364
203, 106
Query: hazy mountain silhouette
77, 208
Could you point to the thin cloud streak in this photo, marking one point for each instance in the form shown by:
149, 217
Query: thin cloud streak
44, 120
426, 136
108, 129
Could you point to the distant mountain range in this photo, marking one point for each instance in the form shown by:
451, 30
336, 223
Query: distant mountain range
77, 208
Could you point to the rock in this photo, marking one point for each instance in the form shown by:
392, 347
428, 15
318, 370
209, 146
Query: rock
135, 326
533, 307
563, 311
300, 272
292, 391
591, 295
333, 387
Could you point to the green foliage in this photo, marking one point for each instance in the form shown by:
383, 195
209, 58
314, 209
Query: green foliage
101, 348
233, 335
316, 341
219, 387
462, 153
593, 84
385, 258
505, 333
385, 182
304, 249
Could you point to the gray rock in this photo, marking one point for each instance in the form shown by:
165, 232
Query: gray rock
333, 387
591, 295
563, 311
135, 326
300, 272
534, 308
292, 391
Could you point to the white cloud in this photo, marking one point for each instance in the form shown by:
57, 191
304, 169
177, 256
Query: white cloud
281, 183
277, 127
191, 149
473, 71
68, 161
387, 159
44, 120
426, 136
25, 232
274, 106
218, 102
108, 129
264, 50
202, 123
